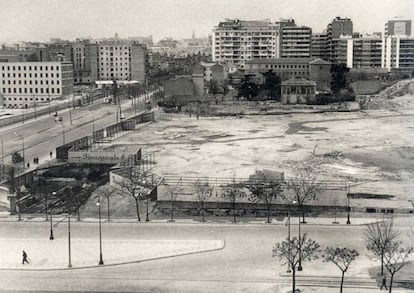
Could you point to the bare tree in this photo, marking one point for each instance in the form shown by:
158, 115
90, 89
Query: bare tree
396, 257
203, 190
75, 198
292, 251
379, 237
266, 191
342, 258
132, 185
173, 198
232, 192
107, 192
304, 185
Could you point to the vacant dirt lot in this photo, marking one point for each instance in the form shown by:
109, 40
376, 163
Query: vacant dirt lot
374, 149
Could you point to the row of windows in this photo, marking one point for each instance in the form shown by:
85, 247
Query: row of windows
112, 54
19, 68
46, 75
30, 82
286, 66
112, 48
30, 90
113, 75
116, 59
26, 99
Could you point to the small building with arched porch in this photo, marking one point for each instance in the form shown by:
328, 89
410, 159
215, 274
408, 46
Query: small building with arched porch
298, 91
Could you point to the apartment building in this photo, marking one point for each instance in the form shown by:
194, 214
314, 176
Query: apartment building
319, 46
27, 84
85, 66
295, 41
359, 52
337, 28
121, 60
237, 41
398, 54
398, 27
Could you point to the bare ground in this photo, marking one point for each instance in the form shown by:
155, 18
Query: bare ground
373, 149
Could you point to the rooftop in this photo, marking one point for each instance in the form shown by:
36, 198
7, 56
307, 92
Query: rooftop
298, 81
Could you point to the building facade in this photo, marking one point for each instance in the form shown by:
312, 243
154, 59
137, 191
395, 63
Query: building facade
398, 54
319, 46
85, 66
298, 91
27, 84
339, 27
398, 27
237, 41
317, 70
121, 60
358, 52
295, 41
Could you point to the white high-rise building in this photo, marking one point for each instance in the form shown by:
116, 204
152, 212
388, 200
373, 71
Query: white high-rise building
237, 41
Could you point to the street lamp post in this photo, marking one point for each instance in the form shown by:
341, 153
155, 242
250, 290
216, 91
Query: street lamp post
348, 208
299, 243
51, 222
146, 201
70, 256
46, 206
101, 262
289, 270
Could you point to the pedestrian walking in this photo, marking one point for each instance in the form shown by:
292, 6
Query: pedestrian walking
384, 283
24, 258
50, 154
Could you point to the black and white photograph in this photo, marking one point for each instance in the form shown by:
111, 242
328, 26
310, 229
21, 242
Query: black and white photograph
224, 146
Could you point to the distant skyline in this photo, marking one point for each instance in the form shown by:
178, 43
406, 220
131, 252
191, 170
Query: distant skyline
41, 20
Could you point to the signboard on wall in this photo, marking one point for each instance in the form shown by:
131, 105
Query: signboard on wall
98, 157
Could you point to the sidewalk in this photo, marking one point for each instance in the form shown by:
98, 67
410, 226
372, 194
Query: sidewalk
310, 221
45, 254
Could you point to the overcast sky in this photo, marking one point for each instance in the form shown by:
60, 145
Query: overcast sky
40, 20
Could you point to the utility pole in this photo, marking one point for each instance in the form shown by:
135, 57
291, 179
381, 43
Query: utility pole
34, 106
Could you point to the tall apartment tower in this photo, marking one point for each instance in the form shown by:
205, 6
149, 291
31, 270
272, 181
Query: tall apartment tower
398, 27
237, 41
295, 41
319, 46
339, 27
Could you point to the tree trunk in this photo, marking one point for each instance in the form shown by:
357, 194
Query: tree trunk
342, 281
391, 280
303, 213
293, 280
137, 206
108, 208
234, 212
202, 211
268, 214
172, 210
78, 213
382, 263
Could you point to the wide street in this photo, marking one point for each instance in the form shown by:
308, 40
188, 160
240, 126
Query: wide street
244, 265
45, 133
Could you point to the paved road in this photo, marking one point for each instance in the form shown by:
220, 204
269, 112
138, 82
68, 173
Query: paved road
245, 264
44, 134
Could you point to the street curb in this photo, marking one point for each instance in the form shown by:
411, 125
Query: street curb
177, 222
119, 263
